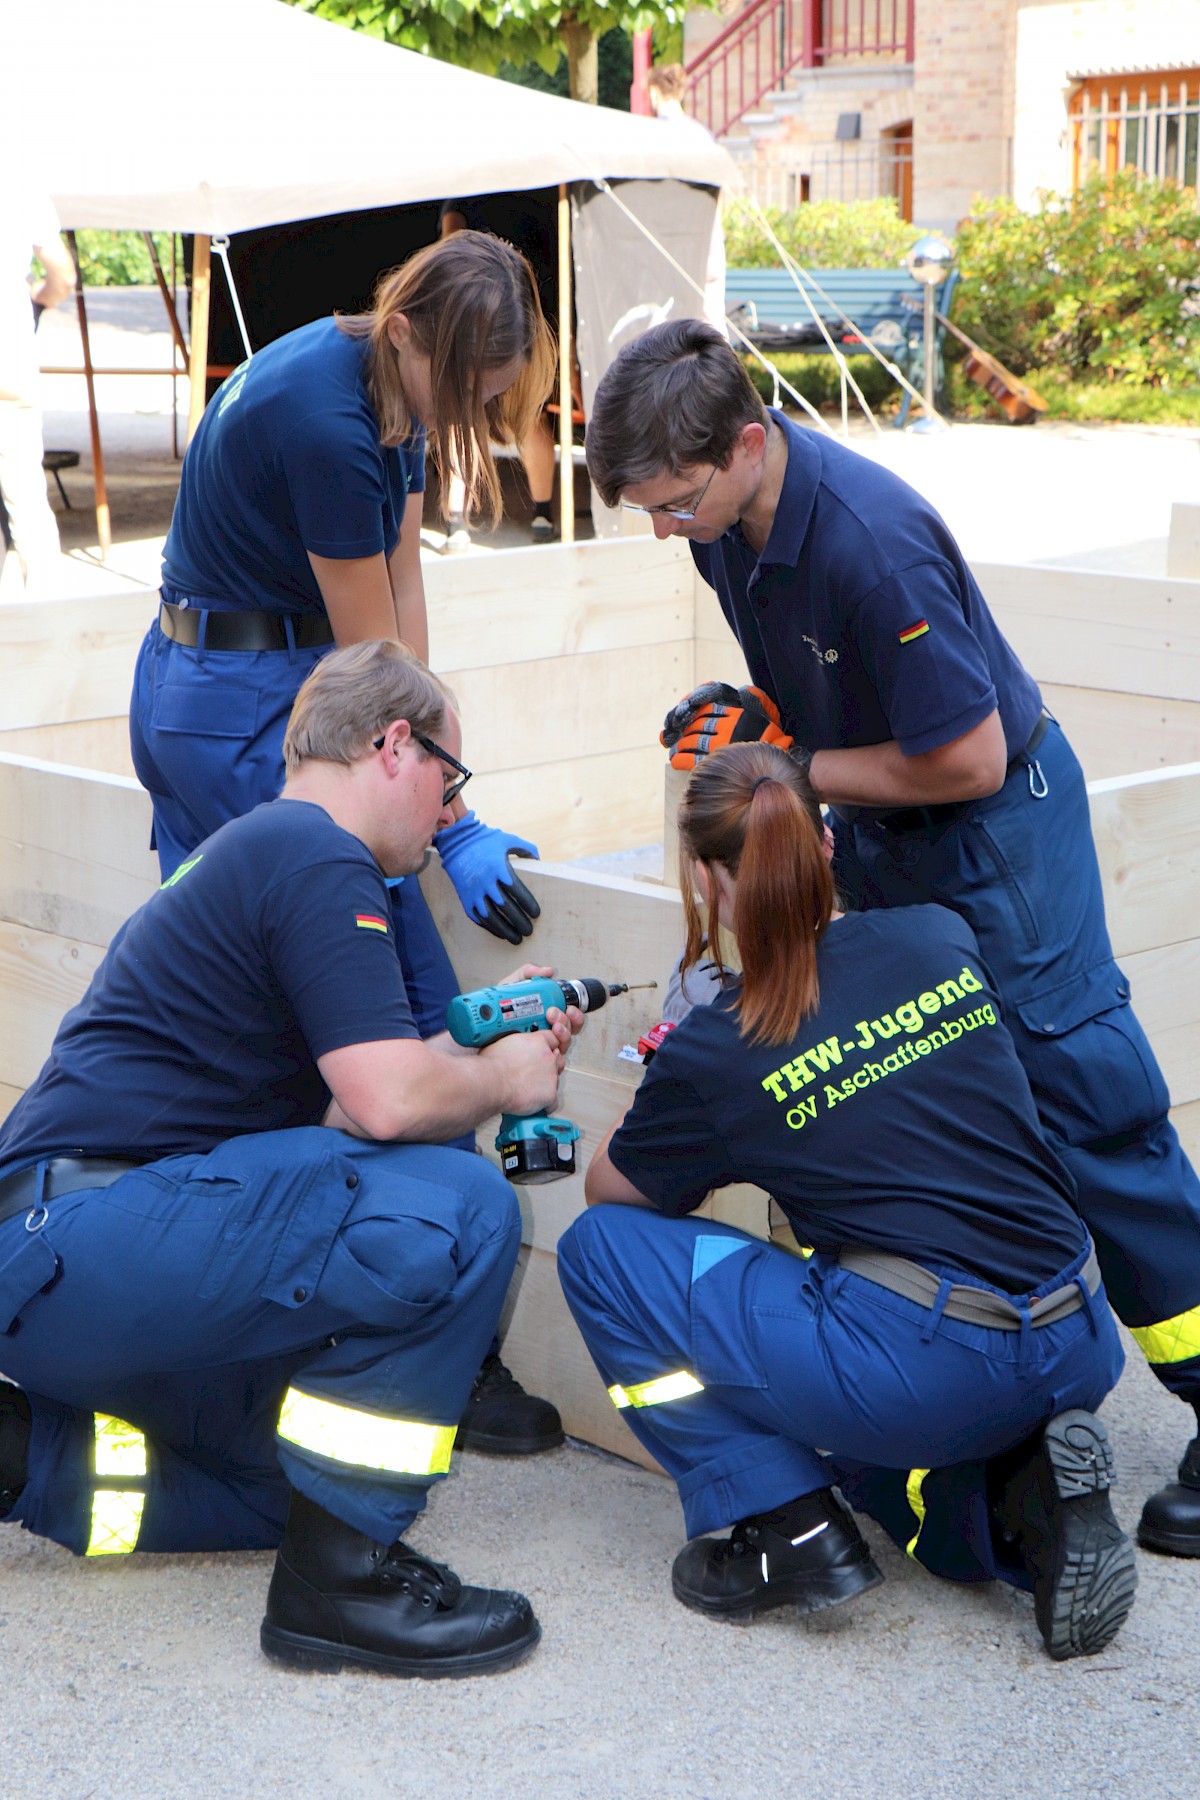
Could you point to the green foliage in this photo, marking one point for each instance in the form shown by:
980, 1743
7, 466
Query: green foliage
1101, 288
120, 258
483, 34
615, 74
817, 378
828, 234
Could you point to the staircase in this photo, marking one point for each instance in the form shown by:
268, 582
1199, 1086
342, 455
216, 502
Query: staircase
761, 46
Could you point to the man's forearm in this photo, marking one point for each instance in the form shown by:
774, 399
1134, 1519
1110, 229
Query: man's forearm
881, 775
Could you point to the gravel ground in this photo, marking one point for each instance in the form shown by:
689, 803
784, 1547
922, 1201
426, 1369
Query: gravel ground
143, 1675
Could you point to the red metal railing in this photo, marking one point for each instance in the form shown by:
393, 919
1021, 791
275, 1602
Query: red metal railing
759, 47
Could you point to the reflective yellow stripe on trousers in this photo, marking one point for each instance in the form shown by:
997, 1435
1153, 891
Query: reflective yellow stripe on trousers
914, 1493
119, 1455
1172, 1341
653, 1393
364, 1440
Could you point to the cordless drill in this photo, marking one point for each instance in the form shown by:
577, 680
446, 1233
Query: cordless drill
536, 1147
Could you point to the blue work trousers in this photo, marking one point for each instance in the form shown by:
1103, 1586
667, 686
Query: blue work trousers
1021, 868
804, 1375
206, 731
189, 1297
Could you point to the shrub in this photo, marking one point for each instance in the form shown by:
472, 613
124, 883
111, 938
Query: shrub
827, 234
816, 377
121, 259
1104, 286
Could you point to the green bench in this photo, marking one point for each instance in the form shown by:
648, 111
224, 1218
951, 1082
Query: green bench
886, 305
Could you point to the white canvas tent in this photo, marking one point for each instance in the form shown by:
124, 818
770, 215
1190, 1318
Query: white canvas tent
245, 113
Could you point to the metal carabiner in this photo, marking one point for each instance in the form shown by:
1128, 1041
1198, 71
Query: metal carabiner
1041, 787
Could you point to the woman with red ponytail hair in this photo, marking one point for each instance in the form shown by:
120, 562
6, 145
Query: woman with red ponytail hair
939, 1355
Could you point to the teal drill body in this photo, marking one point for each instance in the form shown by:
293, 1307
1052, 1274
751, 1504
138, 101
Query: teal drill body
537, 1147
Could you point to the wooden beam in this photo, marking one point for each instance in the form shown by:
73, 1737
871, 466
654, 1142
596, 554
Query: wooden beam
1147, 832
103, 521
70, 659
566, 324
198, 351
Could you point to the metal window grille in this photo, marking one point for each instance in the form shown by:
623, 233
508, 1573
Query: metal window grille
1152, 129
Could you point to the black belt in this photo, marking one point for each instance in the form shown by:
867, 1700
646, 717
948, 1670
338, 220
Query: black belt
920, 818
974, 1306
242, 630
64, 1175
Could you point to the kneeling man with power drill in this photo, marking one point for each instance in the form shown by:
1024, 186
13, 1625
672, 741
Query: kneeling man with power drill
244, 1286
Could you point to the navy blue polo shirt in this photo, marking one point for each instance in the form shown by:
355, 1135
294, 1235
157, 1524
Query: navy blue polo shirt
287, 460
897, 1119
861, 618
271, 945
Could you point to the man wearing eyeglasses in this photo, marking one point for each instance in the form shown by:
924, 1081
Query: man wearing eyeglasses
245, 1283
877, 662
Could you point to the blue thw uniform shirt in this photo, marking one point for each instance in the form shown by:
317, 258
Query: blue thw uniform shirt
269, 947
287, 460
861, 618
897, 1119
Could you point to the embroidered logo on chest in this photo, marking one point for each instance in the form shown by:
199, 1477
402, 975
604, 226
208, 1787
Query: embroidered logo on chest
825, 656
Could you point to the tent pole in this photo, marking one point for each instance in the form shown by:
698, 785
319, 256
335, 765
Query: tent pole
198, 355
566, 462
103, 522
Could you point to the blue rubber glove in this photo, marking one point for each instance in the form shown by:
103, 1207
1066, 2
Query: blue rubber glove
475, 857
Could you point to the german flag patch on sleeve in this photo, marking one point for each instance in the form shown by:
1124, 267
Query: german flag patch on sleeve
370, 922
916, 630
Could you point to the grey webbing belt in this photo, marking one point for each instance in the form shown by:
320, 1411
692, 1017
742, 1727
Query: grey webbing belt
974, 1306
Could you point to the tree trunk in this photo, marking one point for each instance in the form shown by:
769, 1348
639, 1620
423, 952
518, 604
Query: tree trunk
583, 62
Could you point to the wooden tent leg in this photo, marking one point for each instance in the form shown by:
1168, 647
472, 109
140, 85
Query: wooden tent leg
103, 521
164, 290
198, 357
566, 461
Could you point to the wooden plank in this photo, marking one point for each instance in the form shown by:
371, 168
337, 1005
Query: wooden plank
610, 700
1116, 734
101, 744
1186, 1120
41, 977
1165, 987
1147, 832
580, 807
1133, 634
562, 600
598, 925
71, 659
547, 1355
74, 849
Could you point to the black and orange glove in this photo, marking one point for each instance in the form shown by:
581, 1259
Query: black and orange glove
716, 715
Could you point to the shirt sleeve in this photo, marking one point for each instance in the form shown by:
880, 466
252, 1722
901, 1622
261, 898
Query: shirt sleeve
666, 1146
924, 661
332, 948
336, 482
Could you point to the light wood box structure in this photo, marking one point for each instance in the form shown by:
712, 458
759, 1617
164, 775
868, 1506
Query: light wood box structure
564, 661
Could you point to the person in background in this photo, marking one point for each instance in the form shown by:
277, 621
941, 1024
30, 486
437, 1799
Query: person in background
940, 1355
28, 227
512, 218
297, 528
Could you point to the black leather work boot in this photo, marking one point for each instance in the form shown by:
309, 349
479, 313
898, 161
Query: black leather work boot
1057, 1511
1170, 1519
501, 1419
338, 1597
809, 1554
15, 1428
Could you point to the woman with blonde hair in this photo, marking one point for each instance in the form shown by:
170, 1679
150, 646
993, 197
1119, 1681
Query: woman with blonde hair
297, 529
939, 1354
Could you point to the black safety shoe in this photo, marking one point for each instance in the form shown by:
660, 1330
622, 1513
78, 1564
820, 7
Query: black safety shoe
339, 1598
1057, 1509
503, 1420
1171, 1518
15, 1429
809, 1554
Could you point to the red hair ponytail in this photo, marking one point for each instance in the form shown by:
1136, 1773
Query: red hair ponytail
750, 808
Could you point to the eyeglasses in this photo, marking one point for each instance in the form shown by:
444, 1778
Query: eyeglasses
432, 749
672, 512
